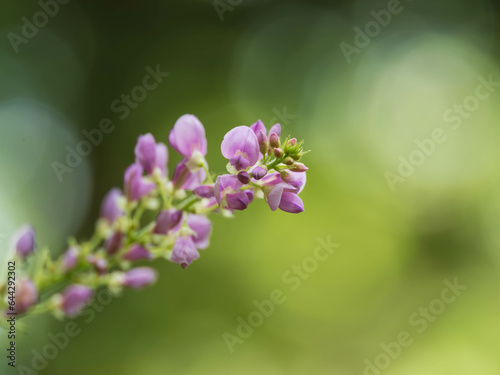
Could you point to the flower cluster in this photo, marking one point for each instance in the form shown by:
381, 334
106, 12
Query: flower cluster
260, 166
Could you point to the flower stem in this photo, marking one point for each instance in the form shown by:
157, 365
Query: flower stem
209, 177
274, 164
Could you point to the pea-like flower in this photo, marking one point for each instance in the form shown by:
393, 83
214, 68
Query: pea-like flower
241, 147
151, 155
264, 140
74, 298
26, 295
228, 194
24, 241
135, 185
137, 252
188, 138
114, 242
295, 179
70, 259
168, 220
184, 252
259, 172
185, 178
202, 226
110, 210
100, 263
282, 195
140, 277
204, 191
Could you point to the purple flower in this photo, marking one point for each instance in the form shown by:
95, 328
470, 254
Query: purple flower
259, 172
260, 128
100, 264
184, 252
295, 179
70, 259
227, 188
243, 177
208, 203
26, 295
137, 252
135, 185
139, 277
168, 220
74, 298
188, 136
114, 243
282, 195
291, 202
109, 208
201, 225
162, 158
250, 195
241, 147
151, 155
276, 128
274, 140
24, 241
298, 167
185, 179
204, 191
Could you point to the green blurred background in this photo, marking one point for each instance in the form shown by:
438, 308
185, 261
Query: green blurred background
279, 61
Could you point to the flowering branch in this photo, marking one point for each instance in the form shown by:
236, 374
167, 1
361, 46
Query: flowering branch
260, 166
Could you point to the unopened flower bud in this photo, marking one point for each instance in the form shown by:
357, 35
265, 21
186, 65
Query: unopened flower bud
26, 295
259, 172
167, 220
74, 299
110, 209
204, 191
139, 277
288, 160
136, 186
278, 152
298, 167
244, 177
24, 241
292, 141
113, 243
151, 156
70, 259
263, 143
184, 252
137, 252
100, 264
274, 140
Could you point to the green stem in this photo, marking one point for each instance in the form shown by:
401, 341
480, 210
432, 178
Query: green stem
274, 164
209, 177
138, 214
188, 202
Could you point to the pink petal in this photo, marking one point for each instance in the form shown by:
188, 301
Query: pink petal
276, 128
188, 136
202, 226
291, 202
241, 141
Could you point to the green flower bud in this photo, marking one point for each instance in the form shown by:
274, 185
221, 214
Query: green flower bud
298, 167
274, 140
278, 152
